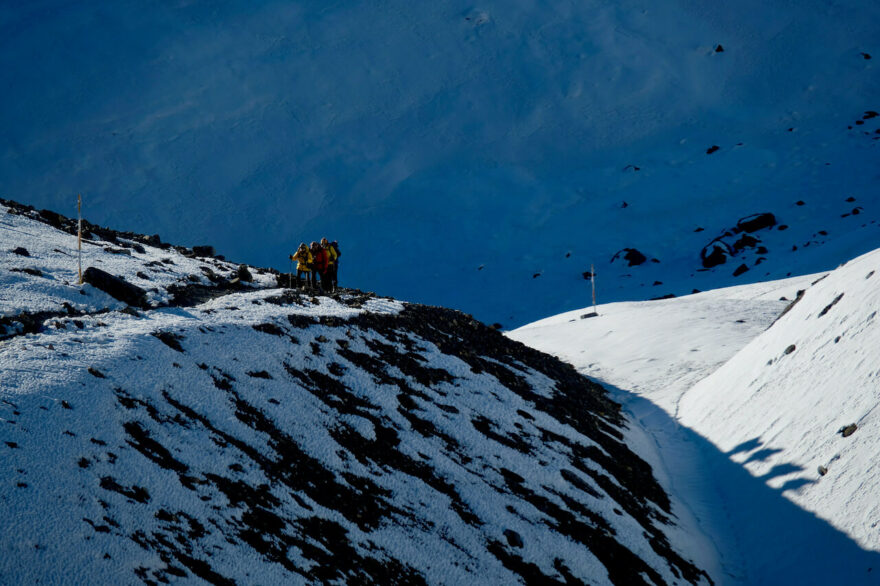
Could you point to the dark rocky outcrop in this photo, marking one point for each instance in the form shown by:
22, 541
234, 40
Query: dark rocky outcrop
203, 250
116, 287
631, 255
728, 245
714, 254
756, 222
848, 430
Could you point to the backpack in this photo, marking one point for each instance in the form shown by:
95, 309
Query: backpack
335, 246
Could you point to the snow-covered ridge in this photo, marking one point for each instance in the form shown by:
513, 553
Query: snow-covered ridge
268, 435
799, 404
760, 402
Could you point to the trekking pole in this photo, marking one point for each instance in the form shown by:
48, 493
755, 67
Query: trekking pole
290, 275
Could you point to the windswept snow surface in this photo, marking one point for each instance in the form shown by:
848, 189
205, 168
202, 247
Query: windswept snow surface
269, 436
477, 156
745, 412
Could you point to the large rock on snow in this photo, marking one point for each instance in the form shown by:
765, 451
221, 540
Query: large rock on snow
631, 255
116, 287
756, 222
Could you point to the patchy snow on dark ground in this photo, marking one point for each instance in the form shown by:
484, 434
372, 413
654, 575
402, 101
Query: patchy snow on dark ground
267, 435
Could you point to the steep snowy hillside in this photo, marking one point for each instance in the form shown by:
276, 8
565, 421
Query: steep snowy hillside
756, 423
799, 405
479, 156
224, 431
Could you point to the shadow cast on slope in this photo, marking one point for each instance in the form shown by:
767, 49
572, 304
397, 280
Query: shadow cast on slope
762, 537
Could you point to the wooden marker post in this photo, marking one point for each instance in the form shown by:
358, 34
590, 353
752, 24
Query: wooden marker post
595, 312
79, 235
593, 281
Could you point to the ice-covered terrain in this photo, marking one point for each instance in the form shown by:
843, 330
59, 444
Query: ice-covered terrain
222, 430
759, 404
478, 156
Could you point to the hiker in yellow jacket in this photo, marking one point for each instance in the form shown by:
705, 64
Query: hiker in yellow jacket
304, 264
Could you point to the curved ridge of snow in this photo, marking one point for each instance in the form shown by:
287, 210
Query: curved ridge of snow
740, 411
778, 406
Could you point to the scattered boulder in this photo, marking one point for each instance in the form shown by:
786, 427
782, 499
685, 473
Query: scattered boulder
54, 219
745, 241
170, 339
790, 349
28, 271
244, 275
848, 430
828, 307
756, 222
712, 149
719, 49
822, 470
513, 538
116, 287
714, 254
203, 250
865, 56
21, 251
740, 270
631, 256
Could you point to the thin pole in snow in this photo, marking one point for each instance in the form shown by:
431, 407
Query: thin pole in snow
593, 281
595, 311
79, 235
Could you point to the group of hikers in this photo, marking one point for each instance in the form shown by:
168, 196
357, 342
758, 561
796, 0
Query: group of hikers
318, 260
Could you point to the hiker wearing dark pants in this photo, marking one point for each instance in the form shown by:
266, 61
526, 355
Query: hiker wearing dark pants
331, 265
335, 246
304, 260
321, 264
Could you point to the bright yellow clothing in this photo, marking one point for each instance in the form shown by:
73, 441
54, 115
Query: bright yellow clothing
303, 259
331, 254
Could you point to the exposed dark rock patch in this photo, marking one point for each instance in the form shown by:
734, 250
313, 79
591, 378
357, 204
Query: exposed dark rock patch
828, 307
848, 430
740, 270
756, 222
116, 287
170, 339
632, 256
715, 253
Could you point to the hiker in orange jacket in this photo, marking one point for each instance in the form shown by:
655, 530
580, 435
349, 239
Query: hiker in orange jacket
321, 264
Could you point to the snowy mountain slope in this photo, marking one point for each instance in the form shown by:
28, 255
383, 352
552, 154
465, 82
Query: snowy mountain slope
736, 441
40, 270
266, 435
781, 404
458, 150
